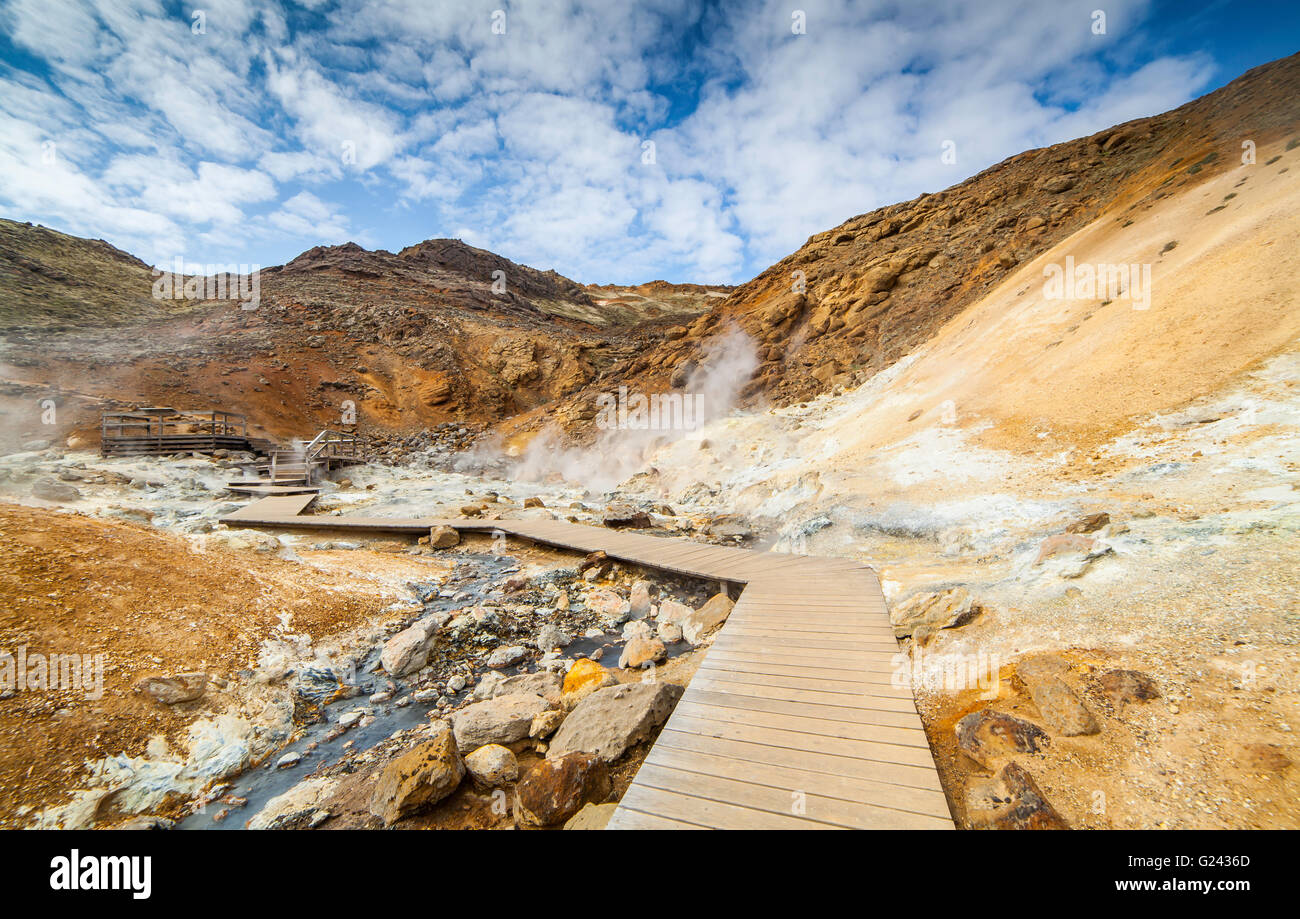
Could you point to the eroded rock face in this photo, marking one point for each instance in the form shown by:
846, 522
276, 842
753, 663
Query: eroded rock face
1012, 801
500, 720
419, 778
922, 615
611, 720
701, 623
558, 787
987, 736
1060, 707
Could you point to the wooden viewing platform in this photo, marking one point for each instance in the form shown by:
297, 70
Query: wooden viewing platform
160, 431
792, 721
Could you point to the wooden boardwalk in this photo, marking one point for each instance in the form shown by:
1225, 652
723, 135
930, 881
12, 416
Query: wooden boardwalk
792, 721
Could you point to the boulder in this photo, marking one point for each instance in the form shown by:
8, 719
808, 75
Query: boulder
1011, 801
420, 777
1070, 553
408, 650
492, 766
1057, 184
637, 628
987, 735
500, 720
669, 632
443, 537
619, 518
544, 683
584, 678
610, 720
672, 611
533, 502
558, 787
48, 488
591, 817
642, 650
701, 623
550, 637
1062, 710
607, 604
923, 614
172, 690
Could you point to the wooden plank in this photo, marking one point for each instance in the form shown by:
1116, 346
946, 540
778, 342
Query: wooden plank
721, 815
849, 788
802, 803
910, 735
796, 758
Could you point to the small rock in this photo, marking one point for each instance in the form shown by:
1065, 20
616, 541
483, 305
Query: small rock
443, 537
506, 656
492, 766
1090, 524
550, 637
1125, 686
642, 650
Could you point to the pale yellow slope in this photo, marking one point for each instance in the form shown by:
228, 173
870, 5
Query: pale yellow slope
1047, 374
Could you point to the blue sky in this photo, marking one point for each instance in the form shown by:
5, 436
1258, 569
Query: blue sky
263, 129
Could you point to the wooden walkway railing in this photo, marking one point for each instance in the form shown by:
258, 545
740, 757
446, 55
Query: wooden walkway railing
793, 719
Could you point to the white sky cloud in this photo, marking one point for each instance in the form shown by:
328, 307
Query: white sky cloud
275, 128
